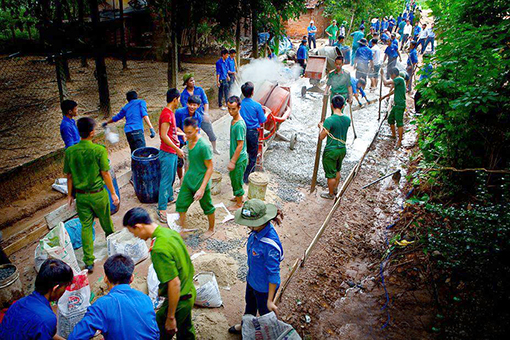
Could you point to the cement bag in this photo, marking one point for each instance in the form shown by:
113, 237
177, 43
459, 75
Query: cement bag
111, 136
208, 292
73, 305
153, 285
123, 242
267, 327
73, 228
60, 185
56, 245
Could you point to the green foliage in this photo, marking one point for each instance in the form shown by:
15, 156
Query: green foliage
466, 119
342, 10
470, 244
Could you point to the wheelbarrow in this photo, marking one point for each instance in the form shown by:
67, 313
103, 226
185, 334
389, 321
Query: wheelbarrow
320, 65
276, 101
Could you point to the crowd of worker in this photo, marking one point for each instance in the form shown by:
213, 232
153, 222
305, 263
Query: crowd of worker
184, 153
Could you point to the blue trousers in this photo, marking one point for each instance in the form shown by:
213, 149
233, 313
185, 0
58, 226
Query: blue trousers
311, 38
223, 92
429, 40
252, 146
255, 301
168, 163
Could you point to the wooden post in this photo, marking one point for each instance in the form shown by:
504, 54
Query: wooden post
81, 16
380, 95
352, 121
325, 102
238, 45
122, 35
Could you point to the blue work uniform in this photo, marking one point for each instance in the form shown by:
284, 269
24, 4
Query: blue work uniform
391, 24
134, 111
413, 57
392, 51
29, 318
69, 132
355, 89
311, 28
124, 313
183, 113
253, 115
384, 25
265, 253
417, 30
222, 72
197, 91
363, 56
231, 68
384, 37
356, 37
302, 53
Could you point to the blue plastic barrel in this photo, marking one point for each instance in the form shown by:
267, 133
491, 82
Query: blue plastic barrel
146, 174
113, 208
346, 52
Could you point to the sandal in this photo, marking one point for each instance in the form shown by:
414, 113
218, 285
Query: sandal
161, 217
233, 330
327, 195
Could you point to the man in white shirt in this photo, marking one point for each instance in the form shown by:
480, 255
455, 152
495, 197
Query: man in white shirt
408, 30
430, 38
422, 37
376, 55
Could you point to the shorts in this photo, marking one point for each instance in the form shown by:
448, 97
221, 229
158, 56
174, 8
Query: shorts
375, 73
362, 71
185, 199
332, 161
397, 115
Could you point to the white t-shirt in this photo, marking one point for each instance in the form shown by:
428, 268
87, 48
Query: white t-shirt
376, 53
408, 29
423, 34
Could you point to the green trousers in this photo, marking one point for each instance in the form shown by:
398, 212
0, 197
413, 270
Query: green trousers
88, 207
236, 178
185, 328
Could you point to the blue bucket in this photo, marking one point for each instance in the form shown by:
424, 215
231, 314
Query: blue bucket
146, 174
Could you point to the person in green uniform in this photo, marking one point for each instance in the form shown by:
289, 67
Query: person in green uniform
339, 81
238, 154
86, 166
397, 111
332, 32
335, 129
195, 184
175, 272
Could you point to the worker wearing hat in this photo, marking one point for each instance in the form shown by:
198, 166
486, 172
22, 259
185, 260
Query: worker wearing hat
312, 30
265, 254
363, 60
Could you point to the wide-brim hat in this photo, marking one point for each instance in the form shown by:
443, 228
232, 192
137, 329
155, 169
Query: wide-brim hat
363, 41
255, 213
186, 77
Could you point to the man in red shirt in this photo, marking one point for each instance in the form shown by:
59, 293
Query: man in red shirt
168, 152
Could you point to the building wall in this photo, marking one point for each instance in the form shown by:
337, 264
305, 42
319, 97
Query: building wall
297, 28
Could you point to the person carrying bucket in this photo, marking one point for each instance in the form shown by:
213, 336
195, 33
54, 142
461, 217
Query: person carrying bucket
335, 129
87, 168
265, 253
238, 154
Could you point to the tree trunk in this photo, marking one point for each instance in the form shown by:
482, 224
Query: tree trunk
102, 79
122, 35
13, 33
29, 31
254, 36
81, 15
350, 25
238, 44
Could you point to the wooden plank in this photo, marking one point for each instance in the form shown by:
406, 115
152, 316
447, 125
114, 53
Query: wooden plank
325, 102
61, 214
24, 241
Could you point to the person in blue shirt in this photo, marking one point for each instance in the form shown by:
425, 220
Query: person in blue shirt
190, 90
312, 30
399, 20
358, 88
68, 129
356, 37
384, 24
416, 32
232, 69
124, 313
411, 17
254, 116
394, 40
32, 317
265, 253
412, 63
302, 55
363, 60
385, 37
222, 79
391, 53
135, 112
190, 110
391, 24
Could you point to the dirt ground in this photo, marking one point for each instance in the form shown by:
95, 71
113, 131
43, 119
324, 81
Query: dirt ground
29, 102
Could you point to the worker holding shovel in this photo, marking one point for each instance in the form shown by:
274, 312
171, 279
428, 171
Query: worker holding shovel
397, 112
335, 129
265, 254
